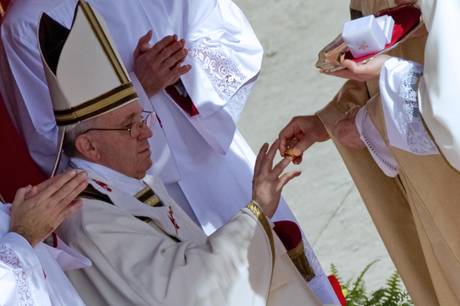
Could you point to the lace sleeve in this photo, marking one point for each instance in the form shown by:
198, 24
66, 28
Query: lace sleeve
398, 89
9, 258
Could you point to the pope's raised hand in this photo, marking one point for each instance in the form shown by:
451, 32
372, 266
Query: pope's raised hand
37, 211
269, 180
300, 133
160, 65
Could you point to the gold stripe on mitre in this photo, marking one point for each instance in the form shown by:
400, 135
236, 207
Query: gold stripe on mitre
104, 41
99, 105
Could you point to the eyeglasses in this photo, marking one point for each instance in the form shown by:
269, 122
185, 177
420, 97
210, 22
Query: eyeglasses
135, 129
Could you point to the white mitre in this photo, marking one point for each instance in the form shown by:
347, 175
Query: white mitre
439, 88
85, 75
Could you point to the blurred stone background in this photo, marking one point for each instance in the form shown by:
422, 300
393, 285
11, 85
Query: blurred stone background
324, 198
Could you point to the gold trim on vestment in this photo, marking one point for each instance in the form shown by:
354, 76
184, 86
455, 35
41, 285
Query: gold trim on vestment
299, 259
105, 102
254, 207
147, 196
104, 41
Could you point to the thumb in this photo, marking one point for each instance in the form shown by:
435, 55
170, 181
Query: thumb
20, 195
143, 43
302, 145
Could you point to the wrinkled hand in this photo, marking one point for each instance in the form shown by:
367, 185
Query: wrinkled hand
160, 65
346, 132
361, 72
300, 134
37, 211
269, 181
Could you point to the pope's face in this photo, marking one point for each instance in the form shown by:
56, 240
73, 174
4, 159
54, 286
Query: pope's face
125, 152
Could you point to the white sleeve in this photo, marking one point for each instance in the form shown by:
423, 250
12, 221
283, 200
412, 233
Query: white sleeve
398, 90
22, 279
374, 142
226, 58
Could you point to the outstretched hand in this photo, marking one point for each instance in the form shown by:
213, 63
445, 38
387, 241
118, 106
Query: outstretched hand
300, 133
160, 65
37, 211
361, 72
269, 181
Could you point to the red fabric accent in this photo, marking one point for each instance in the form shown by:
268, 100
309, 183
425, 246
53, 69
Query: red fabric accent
406, 19
289, 233
184, 102
5, 4
17, 169
337, 289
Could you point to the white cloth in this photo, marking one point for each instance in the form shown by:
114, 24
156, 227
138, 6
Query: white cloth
170, 260
204, 154
375, 144
439, 89
34, 276
403, 122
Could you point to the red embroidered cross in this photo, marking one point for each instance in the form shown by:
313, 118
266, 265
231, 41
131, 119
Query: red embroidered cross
173, 220
103, 185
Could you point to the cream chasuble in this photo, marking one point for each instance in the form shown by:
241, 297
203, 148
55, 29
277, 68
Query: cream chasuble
153, 254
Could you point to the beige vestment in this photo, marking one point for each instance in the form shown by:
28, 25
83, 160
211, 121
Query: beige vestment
141, 263
420, 252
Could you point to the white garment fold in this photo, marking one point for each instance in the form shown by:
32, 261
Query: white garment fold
398, 90
375, 144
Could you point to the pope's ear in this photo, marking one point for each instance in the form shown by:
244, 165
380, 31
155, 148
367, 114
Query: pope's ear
84, 144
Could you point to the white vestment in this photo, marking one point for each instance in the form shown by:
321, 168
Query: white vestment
204, 154
34, 276
156, 255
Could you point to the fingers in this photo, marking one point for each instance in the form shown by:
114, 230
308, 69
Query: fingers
56, 185
302, 145
159, 46
260, 159
21, 195
172, 53
177, 57
70, 190
285, 178
143, 44
71, 196
271, 155
279, 168
287, 134
352, 66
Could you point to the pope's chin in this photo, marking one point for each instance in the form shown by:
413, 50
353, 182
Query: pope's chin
145, 163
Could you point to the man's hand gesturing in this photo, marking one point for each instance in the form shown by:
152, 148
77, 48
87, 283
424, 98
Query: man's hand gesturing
160, 65
269, 181
37, 211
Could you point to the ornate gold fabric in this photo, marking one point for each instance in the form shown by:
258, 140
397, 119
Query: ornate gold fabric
254, 207
299, 259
